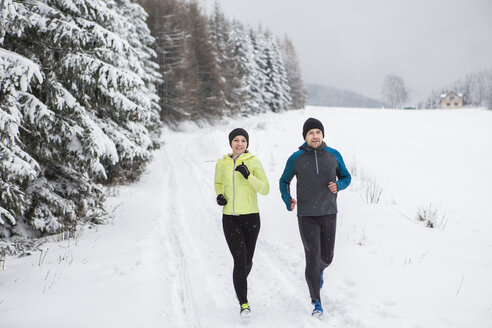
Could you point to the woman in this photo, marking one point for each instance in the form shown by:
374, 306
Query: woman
239, 176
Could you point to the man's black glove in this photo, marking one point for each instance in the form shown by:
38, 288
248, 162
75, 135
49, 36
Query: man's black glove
221, 200
243, 169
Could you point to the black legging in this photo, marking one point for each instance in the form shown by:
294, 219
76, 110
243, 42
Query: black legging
241, 232
318, 238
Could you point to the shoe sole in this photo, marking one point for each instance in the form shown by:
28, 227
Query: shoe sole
245, 314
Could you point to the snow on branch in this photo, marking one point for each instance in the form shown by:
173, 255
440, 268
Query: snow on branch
17, 71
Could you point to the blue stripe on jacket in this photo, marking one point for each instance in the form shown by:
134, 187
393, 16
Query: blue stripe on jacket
343, 174
286, 178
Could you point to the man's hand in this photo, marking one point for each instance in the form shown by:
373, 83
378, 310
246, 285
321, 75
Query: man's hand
221, 200
243, 169
292, 204
333, 187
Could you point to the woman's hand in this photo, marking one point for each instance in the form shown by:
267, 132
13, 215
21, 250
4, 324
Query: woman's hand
243, 169
221, 200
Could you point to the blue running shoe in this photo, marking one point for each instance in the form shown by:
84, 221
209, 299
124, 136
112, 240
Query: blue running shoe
322, 281
318, 310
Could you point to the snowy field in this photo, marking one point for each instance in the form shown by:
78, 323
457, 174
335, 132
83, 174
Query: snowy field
164, 262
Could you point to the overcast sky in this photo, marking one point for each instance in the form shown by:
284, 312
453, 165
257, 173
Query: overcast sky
354, 44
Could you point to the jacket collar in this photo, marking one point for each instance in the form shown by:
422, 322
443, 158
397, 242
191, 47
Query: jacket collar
305, 147
242, 157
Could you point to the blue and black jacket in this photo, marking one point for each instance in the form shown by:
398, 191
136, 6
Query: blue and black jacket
314, 169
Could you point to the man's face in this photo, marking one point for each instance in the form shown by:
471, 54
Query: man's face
314, 138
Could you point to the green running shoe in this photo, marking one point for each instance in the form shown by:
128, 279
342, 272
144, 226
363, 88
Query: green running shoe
245, 310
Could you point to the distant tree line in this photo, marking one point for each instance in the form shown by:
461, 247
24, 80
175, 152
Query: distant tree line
320, 95
476, 89
212, 66
85, 87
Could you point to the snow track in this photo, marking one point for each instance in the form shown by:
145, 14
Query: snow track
164, 261
201, 288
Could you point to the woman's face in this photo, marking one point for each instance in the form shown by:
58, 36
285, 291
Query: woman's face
239, 145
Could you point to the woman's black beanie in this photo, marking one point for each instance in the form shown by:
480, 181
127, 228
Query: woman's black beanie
312, 123
238, 132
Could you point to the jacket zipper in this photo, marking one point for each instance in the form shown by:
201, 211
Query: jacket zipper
316, 159
234, 188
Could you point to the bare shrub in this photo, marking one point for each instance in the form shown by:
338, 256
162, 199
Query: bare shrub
354, 168
367, 184
371, 190
431, 217
261, 126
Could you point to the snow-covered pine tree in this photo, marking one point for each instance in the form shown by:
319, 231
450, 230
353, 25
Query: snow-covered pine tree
206, 94
228, 64
217, 69
294, 75
138, 100
251, 81
167, 22
193, 87
276, 86
227, 60
257, 40
92, 109
17, 167
138, 35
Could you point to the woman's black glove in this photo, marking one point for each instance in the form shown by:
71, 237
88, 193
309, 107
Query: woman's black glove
221, 200
243, 169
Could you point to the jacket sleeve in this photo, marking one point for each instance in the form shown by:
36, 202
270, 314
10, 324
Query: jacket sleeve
219, 187
285, 179
344, 177
258, 179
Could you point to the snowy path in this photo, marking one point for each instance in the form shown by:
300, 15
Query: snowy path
164, 261
196, 248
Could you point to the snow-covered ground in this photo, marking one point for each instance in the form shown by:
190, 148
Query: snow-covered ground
163, 262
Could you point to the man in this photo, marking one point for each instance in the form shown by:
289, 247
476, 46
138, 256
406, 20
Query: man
320, 173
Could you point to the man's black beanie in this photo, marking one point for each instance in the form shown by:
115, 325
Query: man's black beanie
238, 132
312, 123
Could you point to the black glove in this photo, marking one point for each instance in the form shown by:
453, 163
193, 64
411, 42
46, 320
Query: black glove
243, 169
221, 200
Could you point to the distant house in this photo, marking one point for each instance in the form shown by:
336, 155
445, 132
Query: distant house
451, 100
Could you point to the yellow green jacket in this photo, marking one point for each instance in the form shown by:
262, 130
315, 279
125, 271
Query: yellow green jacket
240, 192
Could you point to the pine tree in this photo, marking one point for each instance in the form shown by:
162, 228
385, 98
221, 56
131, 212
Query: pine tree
294, 76
227, 60
167, 22
277, 90
91, 114
193, 87
137, 32
251, 82
259, 72
207, 86
17, 168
